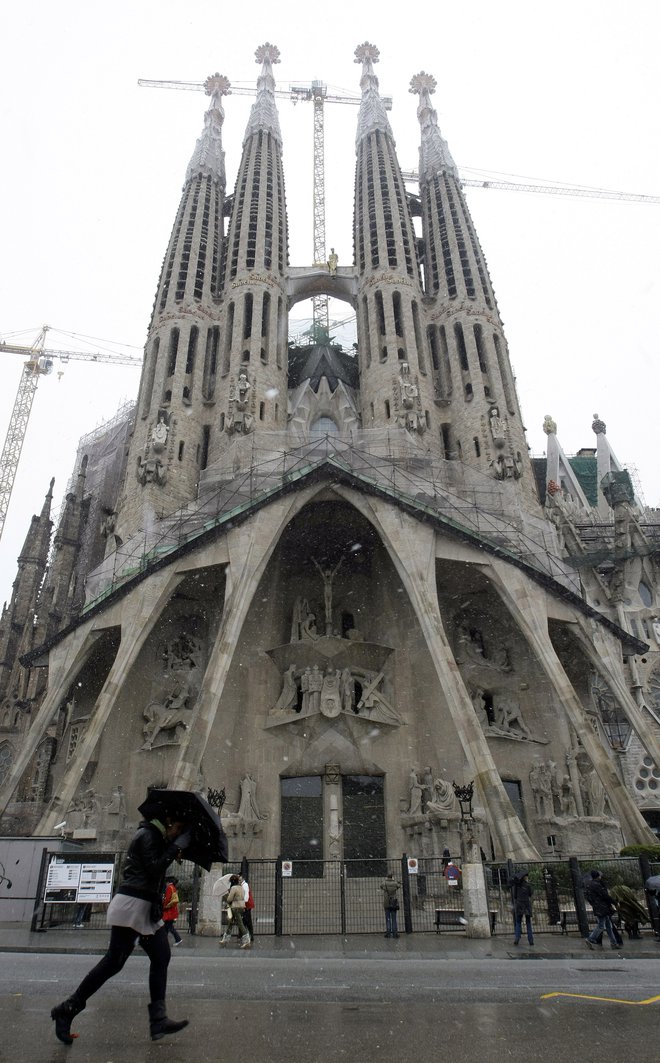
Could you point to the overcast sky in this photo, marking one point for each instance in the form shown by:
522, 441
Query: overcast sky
93, 168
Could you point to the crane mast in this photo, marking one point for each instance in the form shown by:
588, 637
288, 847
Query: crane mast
39, 363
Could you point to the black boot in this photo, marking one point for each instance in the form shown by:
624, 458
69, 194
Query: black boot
63, 1015
159, 1023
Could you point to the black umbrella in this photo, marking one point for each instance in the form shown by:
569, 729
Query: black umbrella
208, 843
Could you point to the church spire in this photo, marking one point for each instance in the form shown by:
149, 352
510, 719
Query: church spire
263, 115
373, 115
434, 154
208, 158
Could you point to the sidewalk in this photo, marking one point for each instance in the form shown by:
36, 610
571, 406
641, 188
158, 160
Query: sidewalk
430, 946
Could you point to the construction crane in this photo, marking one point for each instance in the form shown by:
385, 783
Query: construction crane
39, 363
547, 189
315, 92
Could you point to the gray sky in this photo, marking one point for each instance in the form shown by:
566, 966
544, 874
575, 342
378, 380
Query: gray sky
93, 168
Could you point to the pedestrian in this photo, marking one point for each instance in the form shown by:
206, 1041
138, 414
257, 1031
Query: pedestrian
235, 902
452, 874
521, 894
603, 906
171, 908
390, 888
249, 906
134, 915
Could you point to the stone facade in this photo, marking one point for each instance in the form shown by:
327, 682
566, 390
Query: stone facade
333, 583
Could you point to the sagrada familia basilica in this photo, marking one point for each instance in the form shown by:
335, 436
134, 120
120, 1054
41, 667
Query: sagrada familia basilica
335, 582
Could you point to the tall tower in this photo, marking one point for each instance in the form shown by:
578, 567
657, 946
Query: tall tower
178, 378
481, 423
396, 381
253, 357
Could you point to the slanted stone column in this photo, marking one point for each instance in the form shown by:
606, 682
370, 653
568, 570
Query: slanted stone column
140, 612
532, 619
412, 549
475, 894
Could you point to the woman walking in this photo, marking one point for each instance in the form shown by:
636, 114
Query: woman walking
522, 906
134, 914
235, 901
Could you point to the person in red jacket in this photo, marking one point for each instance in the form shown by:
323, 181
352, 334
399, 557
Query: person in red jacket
171, 908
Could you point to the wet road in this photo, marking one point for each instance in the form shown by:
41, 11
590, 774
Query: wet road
243, 1007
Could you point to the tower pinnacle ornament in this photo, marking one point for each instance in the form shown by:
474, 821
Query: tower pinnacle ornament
208, 156
263, 115
434, 154
372, 109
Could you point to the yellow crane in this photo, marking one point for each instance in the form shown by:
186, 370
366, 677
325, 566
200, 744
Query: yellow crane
40, 361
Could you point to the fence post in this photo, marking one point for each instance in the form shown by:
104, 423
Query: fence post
278, 897
578, 896
342, 895
407, 906
39, 906
651, 903
194, 901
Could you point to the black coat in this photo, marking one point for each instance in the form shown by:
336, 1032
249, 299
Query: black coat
598, 897
522, 897
148, 858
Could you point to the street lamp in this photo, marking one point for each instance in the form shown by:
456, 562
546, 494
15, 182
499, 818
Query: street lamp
464, 795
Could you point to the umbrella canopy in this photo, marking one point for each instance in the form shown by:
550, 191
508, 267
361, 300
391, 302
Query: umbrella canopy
221, 887
653, 883
629, 907
208, 844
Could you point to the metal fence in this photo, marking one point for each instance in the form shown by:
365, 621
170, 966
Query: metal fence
344, 896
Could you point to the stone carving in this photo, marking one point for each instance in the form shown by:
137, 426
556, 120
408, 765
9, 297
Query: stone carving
506, 467
333, 259
333, 692
85, 810
159, 433
541, 783
509, 721
443, 801
288, 699
303, 622
117, 807
566, 799
248, 809
334, 829
549, 425
407, 403
327, 575
331, 699
240, 416
497, 427
416, 793
594, 797
183, 652
151, 471
166, 720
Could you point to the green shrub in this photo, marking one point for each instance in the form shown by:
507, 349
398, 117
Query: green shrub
651, 851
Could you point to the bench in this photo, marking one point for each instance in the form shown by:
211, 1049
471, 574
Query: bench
456, 917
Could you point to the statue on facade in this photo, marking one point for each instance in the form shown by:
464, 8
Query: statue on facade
151, 471
333, 260
159, 433
443, 801
541, 784
373, 704
327, 575
331, 700
347, 690
407, 404
240, 418
117, 806
248, 809
508, 720
164, 722
566, 799
304, 687
303, 622
416, 792
288, 699
315, 687
497, 427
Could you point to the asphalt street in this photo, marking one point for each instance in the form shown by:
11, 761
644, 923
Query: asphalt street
304, 1010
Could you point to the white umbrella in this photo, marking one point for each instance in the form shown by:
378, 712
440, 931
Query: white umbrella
221, 886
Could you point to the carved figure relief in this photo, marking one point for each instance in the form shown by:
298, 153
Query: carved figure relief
331, 699
333, 692
165, 720
541, 783
248, 817
407, 403
303, 622
497, 427
242, 399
